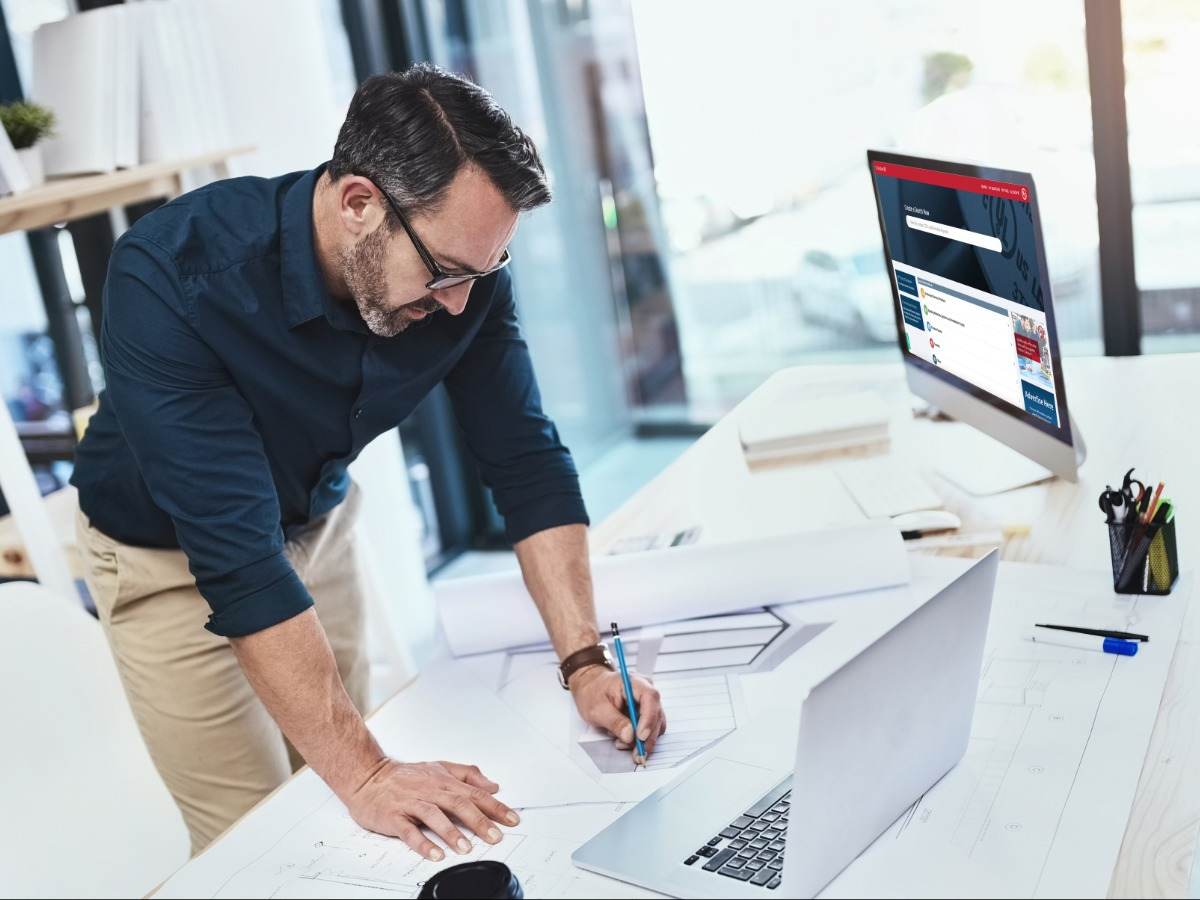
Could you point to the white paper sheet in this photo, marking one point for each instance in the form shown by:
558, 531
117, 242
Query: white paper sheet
494, 612
702, 711
1039, 805
442, 716
325, 854
695, 664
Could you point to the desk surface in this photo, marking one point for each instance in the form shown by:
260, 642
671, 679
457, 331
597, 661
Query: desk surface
711, 486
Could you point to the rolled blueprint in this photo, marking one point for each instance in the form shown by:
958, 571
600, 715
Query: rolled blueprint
485, 613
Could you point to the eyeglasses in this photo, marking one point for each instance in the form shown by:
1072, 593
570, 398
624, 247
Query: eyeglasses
442, 278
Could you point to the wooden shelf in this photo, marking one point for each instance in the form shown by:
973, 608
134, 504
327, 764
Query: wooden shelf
64, 199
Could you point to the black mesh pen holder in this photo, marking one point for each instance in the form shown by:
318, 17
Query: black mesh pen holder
1144, 557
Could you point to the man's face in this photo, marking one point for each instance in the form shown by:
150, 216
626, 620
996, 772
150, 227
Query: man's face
468, 232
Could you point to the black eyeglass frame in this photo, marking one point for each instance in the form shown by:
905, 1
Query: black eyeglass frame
442, 278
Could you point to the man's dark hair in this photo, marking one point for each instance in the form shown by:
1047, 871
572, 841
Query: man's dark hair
410, 132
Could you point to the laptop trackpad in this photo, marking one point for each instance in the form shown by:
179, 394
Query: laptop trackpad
721, 788
651, 841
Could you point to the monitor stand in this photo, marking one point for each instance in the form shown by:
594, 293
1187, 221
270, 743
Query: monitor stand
982, 466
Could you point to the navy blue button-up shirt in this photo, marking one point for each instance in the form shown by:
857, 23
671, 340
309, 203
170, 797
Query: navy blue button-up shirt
238, 391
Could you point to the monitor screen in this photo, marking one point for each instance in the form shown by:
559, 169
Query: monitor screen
964, 249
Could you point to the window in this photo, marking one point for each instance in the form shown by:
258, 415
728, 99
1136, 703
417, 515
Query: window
1162, 44
759, 115
29, 378
538, 59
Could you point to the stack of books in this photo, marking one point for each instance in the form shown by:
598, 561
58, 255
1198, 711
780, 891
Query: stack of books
778, 424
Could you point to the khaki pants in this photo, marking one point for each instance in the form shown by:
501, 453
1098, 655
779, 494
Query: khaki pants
212, 740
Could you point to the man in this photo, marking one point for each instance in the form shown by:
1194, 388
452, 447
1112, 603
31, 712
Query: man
257, 334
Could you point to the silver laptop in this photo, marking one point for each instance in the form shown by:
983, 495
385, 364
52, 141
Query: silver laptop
768, 814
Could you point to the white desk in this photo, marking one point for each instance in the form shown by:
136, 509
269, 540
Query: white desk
711, 486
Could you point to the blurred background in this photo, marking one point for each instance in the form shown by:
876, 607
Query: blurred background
713, 219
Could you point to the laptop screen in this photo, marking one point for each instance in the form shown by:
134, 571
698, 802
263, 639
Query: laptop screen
964, 250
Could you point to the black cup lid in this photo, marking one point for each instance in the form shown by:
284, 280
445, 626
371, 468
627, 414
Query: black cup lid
485, 879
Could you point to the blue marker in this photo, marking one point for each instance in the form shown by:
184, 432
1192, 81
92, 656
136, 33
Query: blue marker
1116, 646
1120, 647
641, 750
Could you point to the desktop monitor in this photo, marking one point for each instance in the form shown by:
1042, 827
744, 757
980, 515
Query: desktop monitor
973, 308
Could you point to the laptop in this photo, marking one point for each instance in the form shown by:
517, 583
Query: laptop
781, 806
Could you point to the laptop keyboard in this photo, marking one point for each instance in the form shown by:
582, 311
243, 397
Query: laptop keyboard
751, 848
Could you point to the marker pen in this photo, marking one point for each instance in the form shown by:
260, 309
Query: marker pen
1086, 642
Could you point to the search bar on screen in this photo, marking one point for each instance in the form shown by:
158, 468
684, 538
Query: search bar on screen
986, 241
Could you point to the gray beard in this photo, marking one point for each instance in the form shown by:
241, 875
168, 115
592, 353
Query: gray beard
364, 274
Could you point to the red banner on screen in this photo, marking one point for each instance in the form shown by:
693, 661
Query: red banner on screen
1007, 189
1028, 348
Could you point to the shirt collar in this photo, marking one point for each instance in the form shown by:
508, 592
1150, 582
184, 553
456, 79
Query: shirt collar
304, 293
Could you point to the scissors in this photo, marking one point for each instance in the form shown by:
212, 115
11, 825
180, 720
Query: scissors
1116, 504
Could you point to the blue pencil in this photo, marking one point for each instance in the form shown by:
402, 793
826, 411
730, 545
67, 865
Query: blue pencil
628, 690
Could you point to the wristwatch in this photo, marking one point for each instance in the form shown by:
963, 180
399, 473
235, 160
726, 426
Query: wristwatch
596, 655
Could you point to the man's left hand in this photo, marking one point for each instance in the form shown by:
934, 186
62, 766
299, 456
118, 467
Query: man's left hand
600, 697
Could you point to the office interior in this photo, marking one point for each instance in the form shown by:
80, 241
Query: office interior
714, 224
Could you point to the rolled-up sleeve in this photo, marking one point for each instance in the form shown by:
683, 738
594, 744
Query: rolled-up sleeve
196, 444
496, 400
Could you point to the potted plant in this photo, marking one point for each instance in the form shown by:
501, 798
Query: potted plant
27, 124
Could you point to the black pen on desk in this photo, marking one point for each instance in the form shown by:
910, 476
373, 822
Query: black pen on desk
1098, 632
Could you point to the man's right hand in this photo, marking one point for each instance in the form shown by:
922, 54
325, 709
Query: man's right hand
399, 799
292, 669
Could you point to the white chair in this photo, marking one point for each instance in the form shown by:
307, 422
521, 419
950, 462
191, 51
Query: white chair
83, 813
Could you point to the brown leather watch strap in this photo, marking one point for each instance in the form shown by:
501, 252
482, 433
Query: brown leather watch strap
596, 655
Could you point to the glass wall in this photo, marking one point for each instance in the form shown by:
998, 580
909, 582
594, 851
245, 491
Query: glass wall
1162, 47
759, 114
30, 382
28, 377
536, 59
